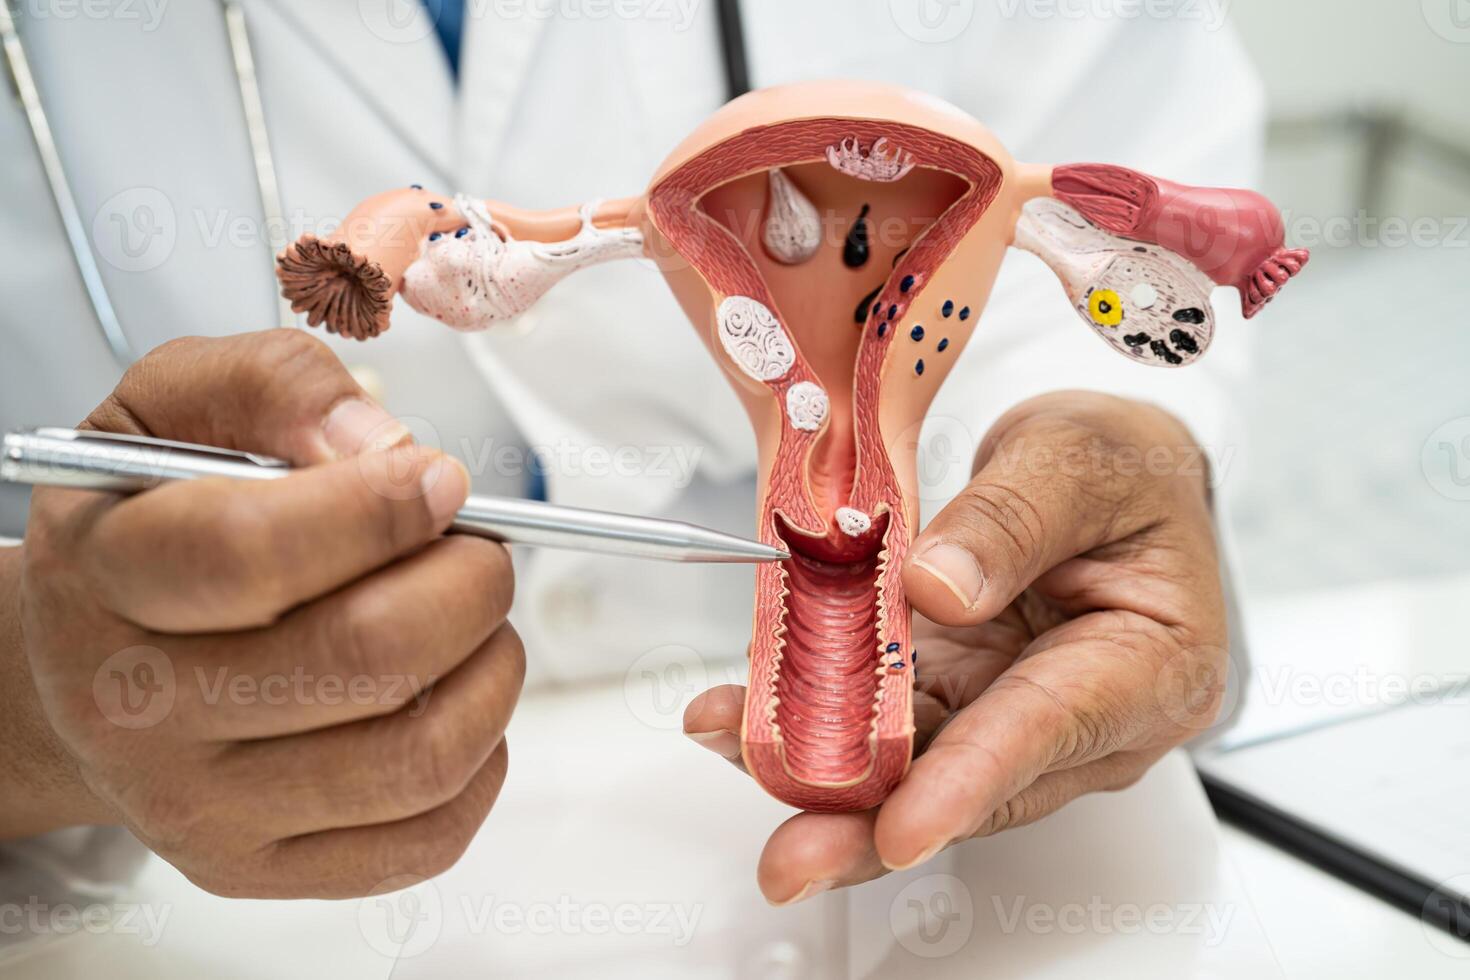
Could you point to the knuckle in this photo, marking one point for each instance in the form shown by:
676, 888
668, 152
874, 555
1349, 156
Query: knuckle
1098, 466
492, 571
1011, 813
245, 554
81, 726
289, 349
439, 762
144, 373
1089, 733
138, 391
170, 350
1009, 512
169, 816
1074, 732
432, 858
287, 361
368, 637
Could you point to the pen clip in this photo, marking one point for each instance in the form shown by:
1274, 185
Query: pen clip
126, 440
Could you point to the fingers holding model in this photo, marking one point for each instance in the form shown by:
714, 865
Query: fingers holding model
834, 244
1071, 626
285, 688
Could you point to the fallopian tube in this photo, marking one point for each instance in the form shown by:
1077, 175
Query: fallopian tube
833, 243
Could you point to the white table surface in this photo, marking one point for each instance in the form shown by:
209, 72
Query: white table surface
583, 763
1316, 927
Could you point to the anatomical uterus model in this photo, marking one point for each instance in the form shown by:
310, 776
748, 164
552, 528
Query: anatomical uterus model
833, 243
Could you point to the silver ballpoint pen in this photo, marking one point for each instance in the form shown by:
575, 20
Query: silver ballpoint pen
111, 461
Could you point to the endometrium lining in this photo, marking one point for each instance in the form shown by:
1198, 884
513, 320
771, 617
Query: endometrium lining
828, 673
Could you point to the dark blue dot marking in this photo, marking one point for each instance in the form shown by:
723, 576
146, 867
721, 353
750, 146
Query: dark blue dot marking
915, 657
947, 308
417, 187
892, 310
461, 233
435, 206
882, 328
906, 284
965, 313
896, 665
876, 308
917, 333
434, 236
893, 648
919, 366
943, 343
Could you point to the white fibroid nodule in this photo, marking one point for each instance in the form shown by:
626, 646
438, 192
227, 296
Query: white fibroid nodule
793, 229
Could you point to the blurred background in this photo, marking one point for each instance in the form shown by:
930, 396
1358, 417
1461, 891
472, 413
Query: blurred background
1370, 142
1349, 500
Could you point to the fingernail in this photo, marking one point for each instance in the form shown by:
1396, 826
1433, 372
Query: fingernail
955, 568
923, 856
721, 741
807, 891
355, 426
446, 484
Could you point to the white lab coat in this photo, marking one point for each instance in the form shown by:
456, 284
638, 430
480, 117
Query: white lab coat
554, 110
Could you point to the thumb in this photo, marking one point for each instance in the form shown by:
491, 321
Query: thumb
279, 392
1020, 516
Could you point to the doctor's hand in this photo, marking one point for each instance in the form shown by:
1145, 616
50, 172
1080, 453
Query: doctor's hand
1071, 630
293, 687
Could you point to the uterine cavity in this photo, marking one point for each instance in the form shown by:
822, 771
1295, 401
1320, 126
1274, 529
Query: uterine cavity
824, 679
828, 681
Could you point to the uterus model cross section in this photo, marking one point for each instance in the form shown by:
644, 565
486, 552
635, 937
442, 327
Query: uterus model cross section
833, 243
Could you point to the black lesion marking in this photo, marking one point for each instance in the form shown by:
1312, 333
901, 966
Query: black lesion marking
1190, 314
1139, 248
1184, 341
1136, 339
860, 314
1162, 352
855, 250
